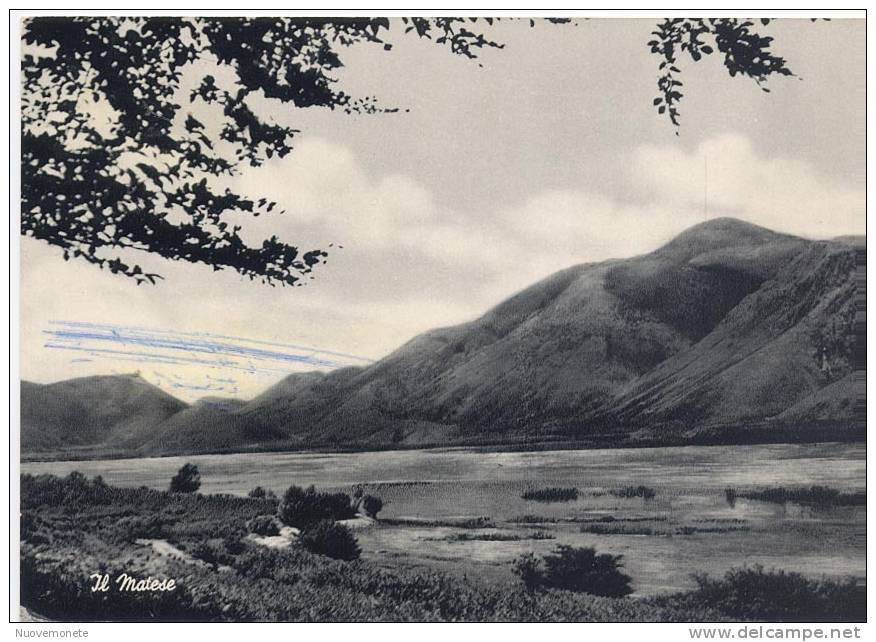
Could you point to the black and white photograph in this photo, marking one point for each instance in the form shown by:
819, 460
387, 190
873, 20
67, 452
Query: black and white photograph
411, 316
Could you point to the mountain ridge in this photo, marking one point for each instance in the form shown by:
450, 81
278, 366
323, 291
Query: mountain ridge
728, 324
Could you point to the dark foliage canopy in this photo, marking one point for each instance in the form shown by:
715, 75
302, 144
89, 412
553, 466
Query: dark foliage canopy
329, 538
301, 507
779, 596
579, 569
746, 53
148, 177
265, 525
372, 505
186, 480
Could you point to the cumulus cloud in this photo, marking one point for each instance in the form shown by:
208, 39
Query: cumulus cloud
409, 262
400, 245
726, 174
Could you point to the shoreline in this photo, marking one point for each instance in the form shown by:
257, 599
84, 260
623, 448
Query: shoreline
499, 448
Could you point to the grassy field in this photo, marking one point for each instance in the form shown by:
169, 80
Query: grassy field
73, 527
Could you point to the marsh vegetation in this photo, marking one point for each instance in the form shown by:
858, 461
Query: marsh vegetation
812, 495
552, 494
458, 538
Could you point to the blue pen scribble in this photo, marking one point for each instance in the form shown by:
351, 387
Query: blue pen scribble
122, 330
168, 347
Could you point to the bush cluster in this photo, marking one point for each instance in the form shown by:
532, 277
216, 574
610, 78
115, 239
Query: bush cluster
233, 545
372, 505
778, 596
260, 493
68, 507
329, 538
33, 528
74, 489
186, 480
301, 507
579, 569
217, 553
265, 525
135, 527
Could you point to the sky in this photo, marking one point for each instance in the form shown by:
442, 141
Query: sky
546, 155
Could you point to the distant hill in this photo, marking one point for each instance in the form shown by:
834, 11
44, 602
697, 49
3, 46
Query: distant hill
857, 241
115, 411
730, 332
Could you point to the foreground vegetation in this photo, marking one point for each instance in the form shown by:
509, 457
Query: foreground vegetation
582, 570
776, 595
73, 527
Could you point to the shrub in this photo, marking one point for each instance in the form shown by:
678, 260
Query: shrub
234, 545
528, 568
70, 492
257, 562
372, 505
581, 569
260, 493
634, 491
326, 537
204, 552
772, 596
301, 507
31, 525
552, 494
187, 480
136, 527
214, 555
263, 525
578, 569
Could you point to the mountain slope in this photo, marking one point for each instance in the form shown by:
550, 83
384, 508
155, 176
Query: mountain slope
728, 326
720, 326
770, 352
110, 411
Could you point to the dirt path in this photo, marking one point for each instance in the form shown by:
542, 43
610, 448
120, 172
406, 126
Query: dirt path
287, 536
166, 549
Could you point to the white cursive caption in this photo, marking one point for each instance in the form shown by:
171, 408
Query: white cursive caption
125, 582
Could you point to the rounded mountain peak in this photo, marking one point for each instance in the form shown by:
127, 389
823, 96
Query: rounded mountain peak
719, 233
